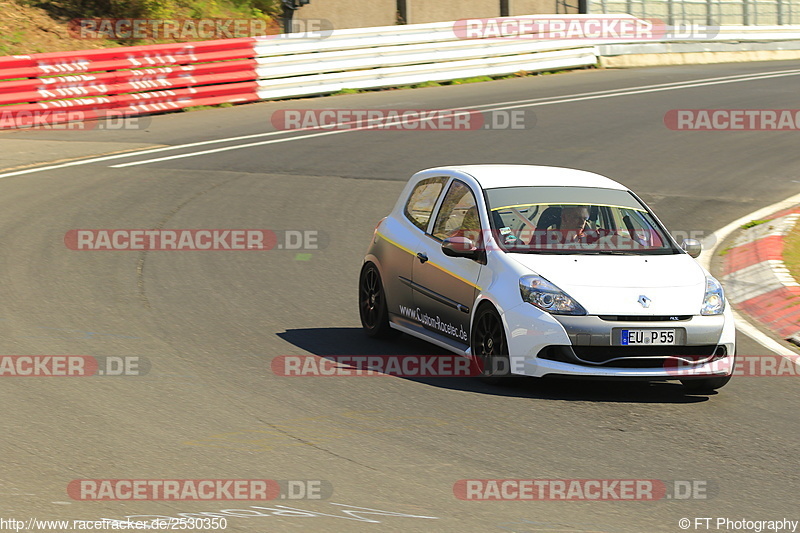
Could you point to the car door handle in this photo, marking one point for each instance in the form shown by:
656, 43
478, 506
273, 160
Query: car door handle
422, 257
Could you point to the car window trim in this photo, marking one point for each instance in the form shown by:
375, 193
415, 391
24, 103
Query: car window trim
437, 206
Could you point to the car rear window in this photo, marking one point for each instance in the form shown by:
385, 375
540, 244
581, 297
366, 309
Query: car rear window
422, 200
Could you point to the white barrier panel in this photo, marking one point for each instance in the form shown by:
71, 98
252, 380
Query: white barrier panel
367, 58
407, 75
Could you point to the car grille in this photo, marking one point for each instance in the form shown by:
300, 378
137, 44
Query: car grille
645, 318
630, 356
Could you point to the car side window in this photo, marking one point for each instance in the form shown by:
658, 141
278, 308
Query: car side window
458, 216
422, 200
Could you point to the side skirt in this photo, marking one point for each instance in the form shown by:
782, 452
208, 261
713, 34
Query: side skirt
415, 330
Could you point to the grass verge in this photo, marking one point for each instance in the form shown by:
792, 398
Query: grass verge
791, 251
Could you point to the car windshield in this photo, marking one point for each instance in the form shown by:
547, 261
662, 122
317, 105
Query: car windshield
574, 220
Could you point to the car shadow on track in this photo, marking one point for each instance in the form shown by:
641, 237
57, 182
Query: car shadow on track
325, 342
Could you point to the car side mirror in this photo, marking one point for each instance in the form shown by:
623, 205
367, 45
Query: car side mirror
460, 247
693, 247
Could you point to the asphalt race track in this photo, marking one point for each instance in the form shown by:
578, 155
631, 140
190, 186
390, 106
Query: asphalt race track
208, 324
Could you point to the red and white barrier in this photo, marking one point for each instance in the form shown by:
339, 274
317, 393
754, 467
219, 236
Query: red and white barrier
37, 89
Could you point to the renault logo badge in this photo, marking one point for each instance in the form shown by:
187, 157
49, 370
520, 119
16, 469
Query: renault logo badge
644, 300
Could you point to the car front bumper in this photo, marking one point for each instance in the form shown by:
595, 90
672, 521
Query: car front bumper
590, 346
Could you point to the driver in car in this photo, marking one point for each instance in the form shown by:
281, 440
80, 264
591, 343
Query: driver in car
564, 225
574, 222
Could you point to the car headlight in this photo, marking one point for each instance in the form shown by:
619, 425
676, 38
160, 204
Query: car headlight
538, 291
714, 299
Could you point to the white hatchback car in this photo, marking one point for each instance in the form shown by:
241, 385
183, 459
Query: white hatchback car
534, 270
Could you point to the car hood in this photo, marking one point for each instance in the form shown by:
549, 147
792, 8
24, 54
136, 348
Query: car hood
612, 284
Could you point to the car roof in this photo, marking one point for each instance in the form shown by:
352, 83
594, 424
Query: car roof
497, 176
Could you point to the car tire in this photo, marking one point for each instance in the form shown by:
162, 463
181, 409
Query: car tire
489, 347
372, 304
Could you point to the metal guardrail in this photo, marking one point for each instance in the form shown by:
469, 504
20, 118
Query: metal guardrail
390, 56
401, 55
39, 88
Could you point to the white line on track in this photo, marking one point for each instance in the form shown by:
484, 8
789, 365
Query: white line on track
539, 102
499, 106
